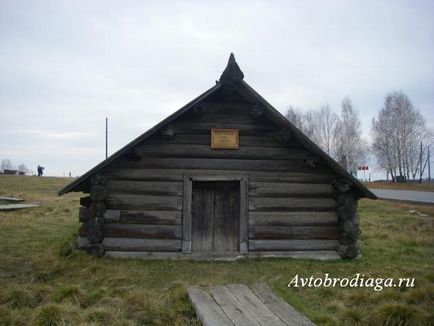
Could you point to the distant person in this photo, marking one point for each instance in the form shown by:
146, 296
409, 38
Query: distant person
40, 171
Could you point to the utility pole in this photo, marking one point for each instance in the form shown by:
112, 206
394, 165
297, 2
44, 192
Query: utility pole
429, 167
106, 137
421, 172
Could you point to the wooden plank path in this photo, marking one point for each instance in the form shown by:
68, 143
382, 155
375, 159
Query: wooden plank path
11, 199
237, 305
11, 207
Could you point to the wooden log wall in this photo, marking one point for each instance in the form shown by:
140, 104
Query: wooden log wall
91, 214
291, 200
348, 216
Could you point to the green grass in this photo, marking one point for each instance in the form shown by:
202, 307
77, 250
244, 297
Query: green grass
45, 281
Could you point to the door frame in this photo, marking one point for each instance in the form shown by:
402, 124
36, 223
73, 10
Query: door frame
186, 208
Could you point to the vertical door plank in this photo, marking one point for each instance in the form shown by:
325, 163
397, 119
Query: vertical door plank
202, 212
226, 216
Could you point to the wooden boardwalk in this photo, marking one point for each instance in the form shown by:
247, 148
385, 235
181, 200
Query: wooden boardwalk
236, 304
11, 207
11, 199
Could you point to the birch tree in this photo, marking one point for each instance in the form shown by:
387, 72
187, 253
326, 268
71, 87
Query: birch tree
321, 126
351, 144
397, 133
328, 125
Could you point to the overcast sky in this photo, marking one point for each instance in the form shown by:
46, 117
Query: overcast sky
66, 65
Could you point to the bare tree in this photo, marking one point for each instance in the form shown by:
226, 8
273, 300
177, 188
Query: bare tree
302, 120
327, 130
22, 168
352, 147
321, 126
382, 147
397, 133
6, 164
295, 115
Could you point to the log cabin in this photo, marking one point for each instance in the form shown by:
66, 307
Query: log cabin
225, 176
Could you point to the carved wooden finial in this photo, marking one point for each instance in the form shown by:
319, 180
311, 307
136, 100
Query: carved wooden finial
232, 73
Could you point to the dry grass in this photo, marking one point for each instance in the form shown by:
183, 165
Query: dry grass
400, 186
45, 281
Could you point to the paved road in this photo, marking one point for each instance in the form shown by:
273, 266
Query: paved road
406, 195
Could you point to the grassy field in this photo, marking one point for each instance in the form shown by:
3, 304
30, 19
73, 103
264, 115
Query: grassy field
400, 186
45, 281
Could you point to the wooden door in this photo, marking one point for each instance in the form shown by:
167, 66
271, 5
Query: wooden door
215, 212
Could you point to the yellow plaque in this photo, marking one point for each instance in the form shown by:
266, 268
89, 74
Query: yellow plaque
224, 139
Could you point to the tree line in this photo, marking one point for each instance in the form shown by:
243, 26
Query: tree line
397, 133
7, 164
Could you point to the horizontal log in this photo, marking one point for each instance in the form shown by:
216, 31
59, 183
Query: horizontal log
144, 187
293, 232
121, 173
237, 106
148, 255
278, 189
283, 245
92, 229
311, 254
196, 127
98, 193
151, 217
143, 217
84, 214
97, 208
116, 230
96, 250
221, 164
82, 243
293, 218
127, 244
94, 236
143, 202
112, 216
142, 231
348, 238
205, 151
280, 203
218, 117
264, 140
220, 256
227, 108
85, 201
